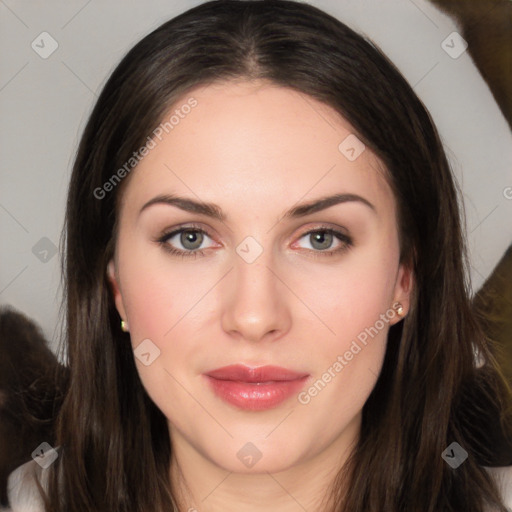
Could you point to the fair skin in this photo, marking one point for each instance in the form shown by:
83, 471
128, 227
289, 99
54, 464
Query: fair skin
258, 150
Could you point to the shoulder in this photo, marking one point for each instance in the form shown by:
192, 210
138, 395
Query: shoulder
22, 491
503, 477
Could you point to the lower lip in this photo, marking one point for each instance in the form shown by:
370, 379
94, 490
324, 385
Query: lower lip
255, 396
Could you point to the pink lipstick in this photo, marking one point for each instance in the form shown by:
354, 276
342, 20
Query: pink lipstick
255, 389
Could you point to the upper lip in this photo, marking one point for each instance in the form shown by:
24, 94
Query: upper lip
243, 373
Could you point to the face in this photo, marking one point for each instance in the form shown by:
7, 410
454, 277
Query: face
266, 284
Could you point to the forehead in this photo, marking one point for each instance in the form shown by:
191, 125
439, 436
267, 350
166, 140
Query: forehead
255, 144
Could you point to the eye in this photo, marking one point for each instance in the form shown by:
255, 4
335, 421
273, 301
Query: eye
322, 239
189, 237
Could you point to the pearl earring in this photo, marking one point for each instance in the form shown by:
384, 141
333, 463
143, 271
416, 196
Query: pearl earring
400, 309
124, 326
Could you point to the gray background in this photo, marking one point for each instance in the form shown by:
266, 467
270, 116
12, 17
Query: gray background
44, 104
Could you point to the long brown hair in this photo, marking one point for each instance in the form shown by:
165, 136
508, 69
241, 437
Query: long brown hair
114, 442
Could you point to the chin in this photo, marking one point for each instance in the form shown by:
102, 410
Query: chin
257, 456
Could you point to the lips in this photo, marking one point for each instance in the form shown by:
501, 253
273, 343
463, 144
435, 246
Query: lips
255, 389
243, 373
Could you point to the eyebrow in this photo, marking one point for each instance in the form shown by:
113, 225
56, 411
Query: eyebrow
214, 211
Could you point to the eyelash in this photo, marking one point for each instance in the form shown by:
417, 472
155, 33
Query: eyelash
162, 240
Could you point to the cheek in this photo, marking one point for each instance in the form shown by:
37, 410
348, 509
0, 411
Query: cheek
156, 292
151, 305
354, 299
350, 296
159, 301
355, 302
163, 302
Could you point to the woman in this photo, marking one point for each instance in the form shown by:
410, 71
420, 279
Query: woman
266, 283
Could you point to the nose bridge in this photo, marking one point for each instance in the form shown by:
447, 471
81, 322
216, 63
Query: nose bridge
256, 305
253, 277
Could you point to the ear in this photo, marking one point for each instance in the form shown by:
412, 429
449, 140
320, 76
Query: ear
116, 292
403, 289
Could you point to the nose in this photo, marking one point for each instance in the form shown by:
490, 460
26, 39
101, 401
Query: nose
255, 301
